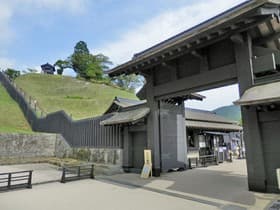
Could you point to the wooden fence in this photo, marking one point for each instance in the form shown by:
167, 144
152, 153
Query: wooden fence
13, 180
72, 173
79, 133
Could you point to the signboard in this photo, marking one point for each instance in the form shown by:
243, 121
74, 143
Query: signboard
148, 156
202, 144
147, 168
278, 177
193, 154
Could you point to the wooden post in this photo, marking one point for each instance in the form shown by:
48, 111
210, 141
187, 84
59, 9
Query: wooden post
251, 127
190, 163
92, 172
9, 180
29, 184
153, 136
79, 171
63, 175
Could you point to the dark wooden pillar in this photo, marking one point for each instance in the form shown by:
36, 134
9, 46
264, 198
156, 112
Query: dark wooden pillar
153, 138
127, 149
251, 125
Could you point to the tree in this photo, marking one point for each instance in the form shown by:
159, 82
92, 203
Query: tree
87, 65
129, 82
12, 73
62, 64
96, 66
81, 48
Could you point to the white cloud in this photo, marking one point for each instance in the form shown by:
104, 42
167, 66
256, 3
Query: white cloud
8, 8
216, 98
169, 24
162, 27
5, 16
6, 63
72, 6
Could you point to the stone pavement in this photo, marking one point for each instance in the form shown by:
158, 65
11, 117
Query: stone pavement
215, 187
45, 173
223, 186
42, 172
91, 195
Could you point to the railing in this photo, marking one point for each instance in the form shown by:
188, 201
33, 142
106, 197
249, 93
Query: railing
71, 173
13, 180
32, 102
203, 161
208, 160
193, 162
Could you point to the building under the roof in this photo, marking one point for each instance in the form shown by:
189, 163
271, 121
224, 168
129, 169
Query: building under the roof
129, 111
200, 126
241, 46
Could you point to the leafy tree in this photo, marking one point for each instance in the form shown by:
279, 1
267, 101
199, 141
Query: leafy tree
96, 66
87, 65
81, 48
93, 70
129, 82
12, 73
79, 63
62, 64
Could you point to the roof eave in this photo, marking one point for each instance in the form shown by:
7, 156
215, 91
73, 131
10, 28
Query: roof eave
204, 27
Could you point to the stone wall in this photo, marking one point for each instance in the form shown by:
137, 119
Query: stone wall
100, 155
33, 145
54, 145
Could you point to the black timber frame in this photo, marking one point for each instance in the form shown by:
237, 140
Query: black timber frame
73, 173
15, 180
215, 53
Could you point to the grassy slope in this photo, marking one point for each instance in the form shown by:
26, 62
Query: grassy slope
79, 98
231, 112
11, 117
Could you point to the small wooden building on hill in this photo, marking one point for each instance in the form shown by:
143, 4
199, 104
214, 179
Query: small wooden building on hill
47, 68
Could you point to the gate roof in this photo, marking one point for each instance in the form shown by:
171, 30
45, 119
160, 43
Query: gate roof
259, 17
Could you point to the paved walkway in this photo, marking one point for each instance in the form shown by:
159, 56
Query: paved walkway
223, 186
45, 173
42, 172
215, 187
92, 194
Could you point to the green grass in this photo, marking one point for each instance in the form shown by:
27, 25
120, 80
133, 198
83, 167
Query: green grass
11, 118
78, 98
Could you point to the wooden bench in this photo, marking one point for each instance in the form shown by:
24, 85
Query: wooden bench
13, 180
72, 173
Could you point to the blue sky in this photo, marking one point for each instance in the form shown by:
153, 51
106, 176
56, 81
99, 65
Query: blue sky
34, 32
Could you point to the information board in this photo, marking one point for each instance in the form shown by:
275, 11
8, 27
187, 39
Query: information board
278, 177
147, 168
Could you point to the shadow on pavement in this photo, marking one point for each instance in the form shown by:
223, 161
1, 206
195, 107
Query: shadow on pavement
214, 184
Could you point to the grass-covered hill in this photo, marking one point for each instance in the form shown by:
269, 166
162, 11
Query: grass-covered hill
11, 118
231, 112
78, 98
